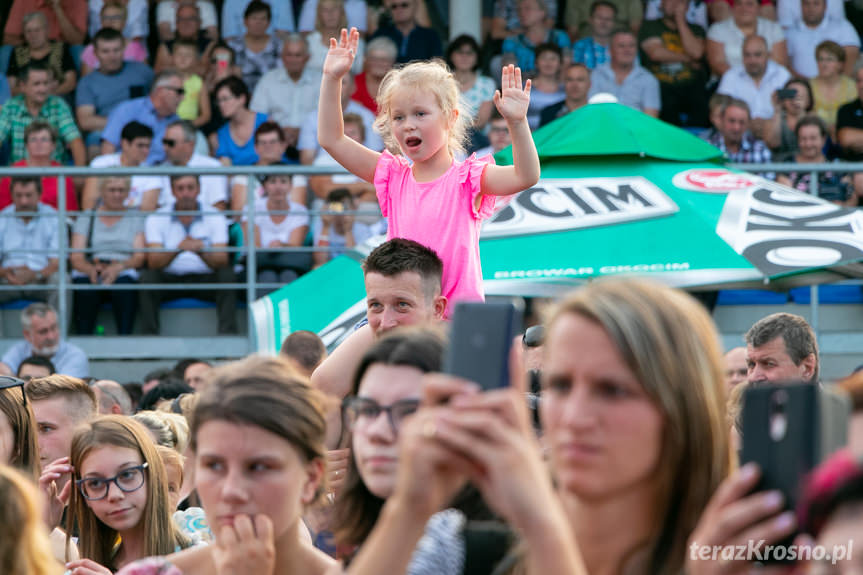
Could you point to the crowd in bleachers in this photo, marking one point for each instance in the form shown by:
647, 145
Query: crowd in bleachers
236, 82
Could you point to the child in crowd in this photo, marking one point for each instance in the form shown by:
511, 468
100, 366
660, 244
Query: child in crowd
425, 194
195, 105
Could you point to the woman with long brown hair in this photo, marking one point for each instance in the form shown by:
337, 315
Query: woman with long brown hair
120, 503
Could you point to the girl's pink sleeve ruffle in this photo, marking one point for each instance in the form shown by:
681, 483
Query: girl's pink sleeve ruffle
150, 566
470, 178
388, 164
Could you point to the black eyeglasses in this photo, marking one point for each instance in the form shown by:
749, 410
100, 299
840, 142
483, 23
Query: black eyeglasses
8, 382
169, 142
399, 5
128, 480
178, 91
360, 412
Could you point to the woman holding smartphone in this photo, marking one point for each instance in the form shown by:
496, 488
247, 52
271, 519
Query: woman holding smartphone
633, 417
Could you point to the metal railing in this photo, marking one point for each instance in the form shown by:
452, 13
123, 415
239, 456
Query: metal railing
250, 285
249, 248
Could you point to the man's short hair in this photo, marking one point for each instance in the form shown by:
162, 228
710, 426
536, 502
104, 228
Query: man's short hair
80, 397
795, 332
623, 30
737, 103
113, 393
256, 6
162, 78
304, 347
179, 369
35, 309
186, 43
33, 66
134, 130
340, 196
176, 177
107, 35
40, 126
269, 127
600, 3
38, 361
190, 133
399, 255
25, 181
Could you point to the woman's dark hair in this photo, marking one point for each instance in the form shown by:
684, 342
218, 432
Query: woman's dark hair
169, 388
458, 43
236, 86
256, 6
548, 47
356, 510
805, 83
810, 120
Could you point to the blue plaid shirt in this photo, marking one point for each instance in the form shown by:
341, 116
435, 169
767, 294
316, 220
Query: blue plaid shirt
590, 53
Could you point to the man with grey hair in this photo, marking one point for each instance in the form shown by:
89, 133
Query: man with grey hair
112, 398
179, 143
288, 94
158, 111
42, 338
781, 347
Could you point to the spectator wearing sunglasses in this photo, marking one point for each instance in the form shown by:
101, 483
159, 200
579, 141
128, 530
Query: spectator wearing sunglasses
157, 111
415, 42
179, 145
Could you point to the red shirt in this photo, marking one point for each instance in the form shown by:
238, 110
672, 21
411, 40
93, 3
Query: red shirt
49, 190
361, 94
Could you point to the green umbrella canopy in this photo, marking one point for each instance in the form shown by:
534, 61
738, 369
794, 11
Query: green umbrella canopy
615, 130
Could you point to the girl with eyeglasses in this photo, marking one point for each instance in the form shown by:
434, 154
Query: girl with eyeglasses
120, 501
386, 393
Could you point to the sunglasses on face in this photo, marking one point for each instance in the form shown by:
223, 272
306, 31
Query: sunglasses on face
178, 91
169, 142
8, 382
398, 5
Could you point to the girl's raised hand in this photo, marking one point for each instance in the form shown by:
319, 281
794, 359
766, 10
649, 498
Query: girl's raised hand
340, 56
512, 100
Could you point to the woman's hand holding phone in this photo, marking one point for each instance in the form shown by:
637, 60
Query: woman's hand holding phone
734, 517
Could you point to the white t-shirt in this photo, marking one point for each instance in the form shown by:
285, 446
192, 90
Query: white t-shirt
165, 229
139, 184
788, 12
728, 34
270, 230
214, 189
736, 82
802, 41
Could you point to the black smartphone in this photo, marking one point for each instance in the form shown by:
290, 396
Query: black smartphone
788, 429
480, 339
786, 93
